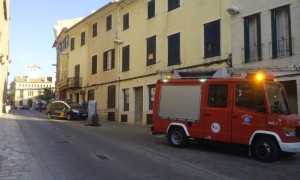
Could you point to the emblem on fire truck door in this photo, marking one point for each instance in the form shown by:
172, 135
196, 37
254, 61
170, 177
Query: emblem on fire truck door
215, 127
247, 118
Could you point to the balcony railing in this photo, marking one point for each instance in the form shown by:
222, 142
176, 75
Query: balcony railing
74, 82
252, 53
282, 47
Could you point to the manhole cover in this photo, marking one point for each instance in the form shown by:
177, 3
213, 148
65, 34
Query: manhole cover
102, 157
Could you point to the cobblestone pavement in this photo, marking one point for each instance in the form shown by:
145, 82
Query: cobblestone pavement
18, 159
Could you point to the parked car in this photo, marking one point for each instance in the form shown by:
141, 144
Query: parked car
67, 110
25, 107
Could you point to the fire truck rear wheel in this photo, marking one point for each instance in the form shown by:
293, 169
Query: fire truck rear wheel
265, 149
177, 137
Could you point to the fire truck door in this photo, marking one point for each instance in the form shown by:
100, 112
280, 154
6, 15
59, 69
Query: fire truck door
248, 112
217, 113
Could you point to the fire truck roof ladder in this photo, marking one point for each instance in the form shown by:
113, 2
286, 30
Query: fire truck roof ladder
228, 72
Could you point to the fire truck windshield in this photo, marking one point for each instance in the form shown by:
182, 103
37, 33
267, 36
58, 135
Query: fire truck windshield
277, 99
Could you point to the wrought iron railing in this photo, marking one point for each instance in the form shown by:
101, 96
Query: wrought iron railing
74, 82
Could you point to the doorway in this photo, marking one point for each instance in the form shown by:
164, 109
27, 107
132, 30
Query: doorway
138, 104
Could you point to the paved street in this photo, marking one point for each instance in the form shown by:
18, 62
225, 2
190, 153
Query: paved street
33, 147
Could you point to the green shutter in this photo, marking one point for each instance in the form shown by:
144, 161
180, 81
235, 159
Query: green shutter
274, 32
290, 32
246, 39
259, 54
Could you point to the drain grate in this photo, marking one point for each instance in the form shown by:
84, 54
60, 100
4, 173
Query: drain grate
102, 157
60, 142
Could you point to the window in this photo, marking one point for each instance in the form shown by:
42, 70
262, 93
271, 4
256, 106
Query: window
212, 39
5, 9
217, 95
72, 44
151, 9
109, 60
21, 93
82, 38
281, 32
151, 50
91, 94
111, 97
94, 64
126, 21
126, 99
174, 49
125, 58
151, 89
77, 76
247, 96
173, 4
252, 38
108, 22
95, 30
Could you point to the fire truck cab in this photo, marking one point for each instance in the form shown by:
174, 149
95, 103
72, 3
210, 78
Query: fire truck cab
252, 110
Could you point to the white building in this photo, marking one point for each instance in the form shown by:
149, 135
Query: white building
27, 89
266, 33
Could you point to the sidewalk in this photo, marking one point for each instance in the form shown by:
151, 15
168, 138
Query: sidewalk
17, 159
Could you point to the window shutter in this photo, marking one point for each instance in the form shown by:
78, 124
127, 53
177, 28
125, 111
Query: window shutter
274, 39
105, 61
113, 58
246, 39
259, 53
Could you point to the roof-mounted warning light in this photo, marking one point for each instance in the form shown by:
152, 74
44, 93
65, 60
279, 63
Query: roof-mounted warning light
260, 76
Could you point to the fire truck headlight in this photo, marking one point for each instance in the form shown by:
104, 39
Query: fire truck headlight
289, 131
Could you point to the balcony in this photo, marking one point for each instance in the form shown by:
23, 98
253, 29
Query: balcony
74, 83
282, 47
252, 53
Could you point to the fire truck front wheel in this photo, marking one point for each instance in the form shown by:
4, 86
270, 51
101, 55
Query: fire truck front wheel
265, 149
177, 137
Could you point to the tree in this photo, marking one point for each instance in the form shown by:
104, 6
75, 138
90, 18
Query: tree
48, 95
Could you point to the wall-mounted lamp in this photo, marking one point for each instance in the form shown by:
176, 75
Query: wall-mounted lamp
232, 10
118, 41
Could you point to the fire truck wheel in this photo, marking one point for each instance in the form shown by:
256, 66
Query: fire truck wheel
177, 137
265, 149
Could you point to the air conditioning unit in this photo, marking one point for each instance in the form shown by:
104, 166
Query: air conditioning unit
232, 10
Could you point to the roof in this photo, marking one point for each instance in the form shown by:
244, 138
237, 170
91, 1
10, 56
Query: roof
24, 79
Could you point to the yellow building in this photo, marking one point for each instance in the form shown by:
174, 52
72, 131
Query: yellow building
4, 51
62, 63
129, 41
26, 89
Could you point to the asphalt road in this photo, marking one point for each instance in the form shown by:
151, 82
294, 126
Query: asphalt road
70, 150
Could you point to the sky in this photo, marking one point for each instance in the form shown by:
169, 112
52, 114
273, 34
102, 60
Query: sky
31, 35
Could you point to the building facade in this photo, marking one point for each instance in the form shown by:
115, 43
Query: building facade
4, 51
61, 43
128, 43
266, 33
26, 90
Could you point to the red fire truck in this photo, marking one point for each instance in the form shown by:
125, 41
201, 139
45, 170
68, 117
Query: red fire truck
252, 110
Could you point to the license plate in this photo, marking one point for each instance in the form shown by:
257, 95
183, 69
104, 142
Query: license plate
84, 114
